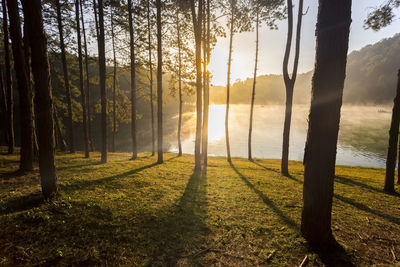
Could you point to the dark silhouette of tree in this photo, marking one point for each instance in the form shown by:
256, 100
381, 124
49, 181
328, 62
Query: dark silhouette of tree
8, 83
393, 140
332, 32
81, 87
289, 82
114, 86
151, 78
43, 96
178, 30
66, 79
4, 106
133, 79
382, 16
25, 94
159, 85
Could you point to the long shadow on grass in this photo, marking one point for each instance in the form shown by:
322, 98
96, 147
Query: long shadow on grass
178, 238
21, 203
277, 171
288, 221
83, 184
347, 181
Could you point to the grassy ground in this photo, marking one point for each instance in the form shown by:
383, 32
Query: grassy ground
139, 213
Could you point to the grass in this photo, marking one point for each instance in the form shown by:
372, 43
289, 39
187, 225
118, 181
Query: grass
138, 213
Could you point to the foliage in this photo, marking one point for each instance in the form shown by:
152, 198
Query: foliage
381, 16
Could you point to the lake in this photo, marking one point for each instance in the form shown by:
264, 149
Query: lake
363, 133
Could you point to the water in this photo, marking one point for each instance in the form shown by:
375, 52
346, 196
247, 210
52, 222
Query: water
362, 137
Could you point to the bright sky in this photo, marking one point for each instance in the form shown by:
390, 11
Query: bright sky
272, 44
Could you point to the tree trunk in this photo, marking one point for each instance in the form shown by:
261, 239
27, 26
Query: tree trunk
4, 106
151, 81
114, 129
70, 129
103, 94
89, 116
333, 27
25, 94
82, 89
289, 82
228, 86
61, 143
133, 81
43, 96
393, 140
179, 85
8, 83
253, 94
159, 85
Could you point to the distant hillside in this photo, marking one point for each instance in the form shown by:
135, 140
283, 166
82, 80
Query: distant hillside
371, 79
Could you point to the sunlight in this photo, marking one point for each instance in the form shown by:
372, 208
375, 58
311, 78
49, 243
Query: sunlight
216, 123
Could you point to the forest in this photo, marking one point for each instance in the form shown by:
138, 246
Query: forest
119, 146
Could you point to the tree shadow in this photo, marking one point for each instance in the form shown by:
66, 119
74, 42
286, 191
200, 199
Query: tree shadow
21, 203
333, 254
277, 171
347, 181
71, 167
287, 220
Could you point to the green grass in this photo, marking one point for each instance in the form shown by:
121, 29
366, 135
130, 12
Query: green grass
138, 213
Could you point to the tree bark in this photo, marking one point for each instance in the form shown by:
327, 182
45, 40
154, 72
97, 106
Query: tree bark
253, 94
4, 106
89, 116
289, 82
159, 85
133, 80
228, 86
25, 94
333, 27
393, 141
69, 123
43, 96
114, 129
151, 81
8, 83
178, 28
62, 144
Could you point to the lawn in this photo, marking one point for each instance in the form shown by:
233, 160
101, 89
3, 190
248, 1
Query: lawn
138, 213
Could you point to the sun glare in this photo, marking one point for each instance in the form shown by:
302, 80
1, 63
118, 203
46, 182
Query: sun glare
216, 124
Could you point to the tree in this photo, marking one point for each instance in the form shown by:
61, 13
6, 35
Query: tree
4, 107
289, 82
324, 119
133, 79
8, 83
25, 93
102, 71
43, 96
82, 89
382, 16
151, 78
159, 85
114, 86
70, 129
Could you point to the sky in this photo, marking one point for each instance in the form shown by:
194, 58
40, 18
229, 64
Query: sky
272, 43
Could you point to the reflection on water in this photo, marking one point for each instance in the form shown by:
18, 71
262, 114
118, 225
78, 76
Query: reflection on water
362, 139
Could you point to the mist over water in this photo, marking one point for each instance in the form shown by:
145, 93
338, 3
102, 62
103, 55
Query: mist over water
362, 138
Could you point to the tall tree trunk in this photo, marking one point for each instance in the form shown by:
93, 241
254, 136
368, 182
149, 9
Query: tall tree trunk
114, 129
4, 106
178, 28
159, 85
333, 27
8, 83
151, 80
96, 19
253, 94
197, 27
289, 82
393, 140
62, 144
103, 93
228, 86
82, 89
89, 116
70, 129
25, 94
43, 96
133, 80
206, 84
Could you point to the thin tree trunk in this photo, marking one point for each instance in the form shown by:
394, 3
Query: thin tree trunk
289, 82
43, 97
4, 106
89, 116
8, 83
114, 129
159, 85
133, 80
393, 141
70, 129
178, 28
228, 86
81, 87
25, 95
62, 144
96, 19
253, 94
333, 27
151, 80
